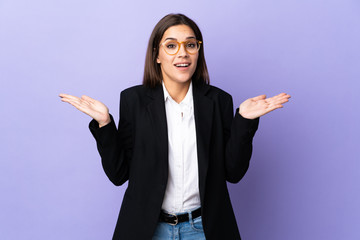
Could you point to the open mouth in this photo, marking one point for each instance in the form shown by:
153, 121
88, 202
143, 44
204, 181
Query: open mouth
182, 65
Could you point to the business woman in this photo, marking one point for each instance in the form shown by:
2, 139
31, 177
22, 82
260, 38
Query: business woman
177, 142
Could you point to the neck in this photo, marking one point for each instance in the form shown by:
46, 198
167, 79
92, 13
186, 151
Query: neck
176, 90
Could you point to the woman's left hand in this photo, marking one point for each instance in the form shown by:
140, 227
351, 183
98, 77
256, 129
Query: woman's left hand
258, 106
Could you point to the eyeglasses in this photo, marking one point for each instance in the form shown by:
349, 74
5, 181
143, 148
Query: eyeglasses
172, 47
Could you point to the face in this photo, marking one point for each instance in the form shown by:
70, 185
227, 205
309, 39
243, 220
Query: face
170, 64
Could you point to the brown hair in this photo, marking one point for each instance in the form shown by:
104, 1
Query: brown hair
152, 71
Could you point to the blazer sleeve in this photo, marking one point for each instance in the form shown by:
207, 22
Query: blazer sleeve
115, 145
239, 133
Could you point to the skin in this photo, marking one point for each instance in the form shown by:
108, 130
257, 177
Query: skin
177, 82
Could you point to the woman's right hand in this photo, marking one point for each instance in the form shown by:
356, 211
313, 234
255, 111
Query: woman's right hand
94, 108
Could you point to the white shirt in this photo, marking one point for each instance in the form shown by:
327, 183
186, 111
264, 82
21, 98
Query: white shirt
182, 190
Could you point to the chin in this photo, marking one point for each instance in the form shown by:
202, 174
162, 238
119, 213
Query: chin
185, 77
184, 80
180, 79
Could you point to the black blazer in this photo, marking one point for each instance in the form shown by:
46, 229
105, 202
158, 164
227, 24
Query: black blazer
138, 152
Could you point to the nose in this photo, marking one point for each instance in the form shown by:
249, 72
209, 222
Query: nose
182, 51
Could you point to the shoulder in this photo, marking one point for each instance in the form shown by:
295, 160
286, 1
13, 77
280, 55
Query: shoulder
134, 92
209, 90
218, 95
217, 91
138, 89
223, 102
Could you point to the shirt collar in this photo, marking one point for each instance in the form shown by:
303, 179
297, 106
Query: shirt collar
188, 99
166, 93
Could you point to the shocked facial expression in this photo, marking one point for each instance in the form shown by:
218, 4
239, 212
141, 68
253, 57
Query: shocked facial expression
181, 66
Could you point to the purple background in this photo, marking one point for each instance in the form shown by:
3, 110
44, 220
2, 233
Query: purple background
304, 178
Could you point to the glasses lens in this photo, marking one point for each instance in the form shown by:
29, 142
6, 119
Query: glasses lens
171, 47
192, 46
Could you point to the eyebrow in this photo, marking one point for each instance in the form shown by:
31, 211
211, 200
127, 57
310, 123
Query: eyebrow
170, 38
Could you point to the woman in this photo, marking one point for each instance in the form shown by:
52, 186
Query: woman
177, 141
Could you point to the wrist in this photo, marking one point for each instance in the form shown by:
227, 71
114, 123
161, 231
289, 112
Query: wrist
246, 116
104, 122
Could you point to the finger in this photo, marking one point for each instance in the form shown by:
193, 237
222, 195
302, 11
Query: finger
77, 100
65, 95
284, 96
281, 96
67, 100
277, 106
70, 97
70, 101
272, 108
260, 97
278, 99
80, 106
87, 98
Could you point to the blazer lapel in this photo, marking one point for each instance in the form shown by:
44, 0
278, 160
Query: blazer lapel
156, 109
203, 111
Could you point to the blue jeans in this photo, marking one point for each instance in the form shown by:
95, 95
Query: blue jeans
190, 230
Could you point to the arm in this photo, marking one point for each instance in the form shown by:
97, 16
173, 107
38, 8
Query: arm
115, 146
239, 132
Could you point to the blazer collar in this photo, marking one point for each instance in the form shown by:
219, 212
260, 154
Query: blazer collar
157, 92
203, 111
156, 111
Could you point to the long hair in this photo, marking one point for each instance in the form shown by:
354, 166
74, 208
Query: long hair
152, 71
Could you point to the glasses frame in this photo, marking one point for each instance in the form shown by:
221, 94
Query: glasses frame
179, 46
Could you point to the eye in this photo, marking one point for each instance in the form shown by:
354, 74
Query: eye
191, 45
170, 46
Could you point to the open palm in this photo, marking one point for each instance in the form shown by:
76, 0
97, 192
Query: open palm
94, 108
258, 106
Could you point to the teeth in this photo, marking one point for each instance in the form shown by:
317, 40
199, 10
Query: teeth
182, 65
